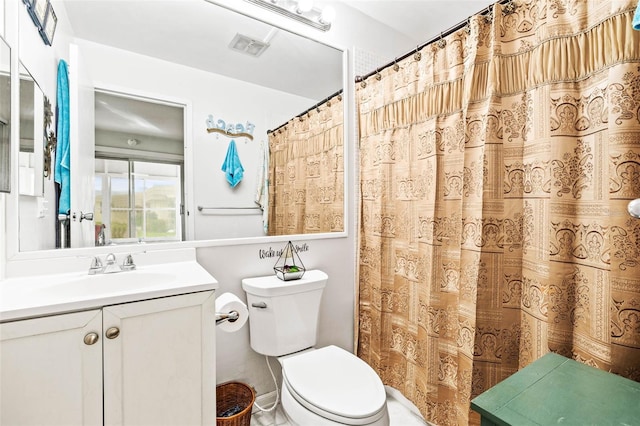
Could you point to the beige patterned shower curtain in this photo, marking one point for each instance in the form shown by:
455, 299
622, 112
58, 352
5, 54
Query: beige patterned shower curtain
306, 172
496, 167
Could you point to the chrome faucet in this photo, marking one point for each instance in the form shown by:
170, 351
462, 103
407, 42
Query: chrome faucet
110, 266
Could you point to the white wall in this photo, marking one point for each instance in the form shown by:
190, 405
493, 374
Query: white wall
234, 260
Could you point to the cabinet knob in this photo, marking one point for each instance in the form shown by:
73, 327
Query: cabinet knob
112, 332
91, 339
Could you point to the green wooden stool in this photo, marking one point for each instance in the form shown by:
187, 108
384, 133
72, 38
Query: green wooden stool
555, 390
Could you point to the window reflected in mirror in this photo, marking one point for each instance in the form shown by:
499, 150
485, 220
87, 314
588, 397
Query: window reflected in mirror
137, 201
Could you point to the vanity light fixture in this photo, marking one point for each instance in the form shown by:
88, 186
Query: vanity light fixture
300, 10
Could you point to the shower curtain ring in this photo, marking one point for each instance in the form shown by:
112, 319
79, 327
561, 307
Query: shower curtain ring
442, 42
396, 67
418, 55
509, 8
378, 76
489, 16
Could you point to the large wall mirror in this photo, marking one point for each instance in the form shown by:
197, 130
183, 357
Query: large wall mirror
168, 78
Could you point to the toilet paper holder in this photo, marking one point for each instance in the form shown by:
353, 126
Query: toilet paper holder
231, 316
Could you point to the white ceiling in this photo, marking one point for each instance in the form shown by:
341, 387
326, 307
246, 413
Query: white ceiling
197, 33
419, 20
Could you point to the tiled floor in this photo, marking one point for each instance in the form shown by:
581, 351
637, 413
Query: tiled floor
401, 413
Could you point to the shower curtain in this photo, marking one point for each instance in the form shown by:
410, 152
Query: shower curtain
495, 169
306, 172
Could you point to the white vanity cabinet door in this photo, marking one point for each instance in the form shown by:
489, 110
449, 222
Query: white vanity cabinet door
48, 374
160, 368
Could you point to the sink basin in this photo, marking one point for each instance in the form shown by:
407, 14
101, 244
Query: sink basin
99, 284
50, 294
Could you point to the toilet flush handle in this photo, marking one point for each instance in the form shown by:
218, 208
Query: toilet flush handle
260, 305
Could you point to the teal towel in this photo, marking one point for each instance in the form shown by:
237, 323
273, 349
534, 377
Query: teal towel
232, 167
636, 18
63, 156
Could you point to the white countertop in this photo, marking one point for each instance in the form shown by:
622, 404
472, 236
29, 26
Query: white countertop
26, 297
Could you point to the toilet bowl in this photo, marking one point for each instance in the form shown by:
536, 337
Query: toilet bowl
330, 386
323, 386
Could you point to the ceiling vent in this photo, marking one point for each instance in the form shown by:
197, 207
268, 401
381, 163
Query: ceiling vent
247, 45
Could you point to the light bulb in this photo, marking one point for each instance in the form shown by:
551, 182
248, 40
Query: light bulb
304, 6
328, 15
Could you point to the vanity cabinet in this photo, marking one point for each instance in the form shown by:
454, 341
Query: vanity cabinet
150, 362
48, 375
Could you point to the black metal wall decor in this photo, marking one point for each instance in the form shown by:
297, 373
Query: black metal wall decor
44, 18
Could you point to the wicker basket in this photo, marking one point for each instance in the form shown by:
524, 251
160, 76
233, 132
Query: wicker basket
234, 402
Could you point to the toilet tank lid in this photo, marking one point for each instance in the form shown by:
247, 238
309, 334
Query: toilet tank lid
271, 285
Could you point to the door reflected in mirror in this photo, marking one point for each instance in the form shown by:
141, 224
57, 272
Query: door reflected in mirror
188, 62
5, 116
139, 162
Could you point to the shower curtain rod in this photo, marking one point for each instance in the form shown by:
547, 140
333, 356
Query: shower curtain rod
443, 34
307, 110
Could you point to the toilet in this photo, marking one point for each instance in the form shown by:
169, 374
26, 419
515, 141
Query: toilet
320, 386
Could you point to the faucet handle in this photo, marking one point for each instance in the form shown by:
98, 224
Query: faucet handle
128, 264
96, 263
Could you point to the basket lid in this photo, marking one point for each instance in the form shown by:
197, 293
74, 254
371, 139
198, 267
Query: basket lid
335, 382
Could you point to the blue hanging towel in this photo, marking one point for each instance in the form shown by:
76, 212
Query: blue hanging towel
636, 18
232, 166
63, 156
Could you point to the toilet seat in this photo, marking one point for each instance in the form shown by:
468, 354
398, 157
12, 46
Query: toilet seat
336, 385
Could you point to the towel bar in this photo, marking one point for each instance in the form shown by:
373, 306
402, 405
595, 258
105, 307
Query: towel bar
230, 211
200, 208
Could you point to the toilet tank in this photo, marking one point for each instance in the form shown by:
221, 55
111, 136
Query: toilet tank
283, 315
